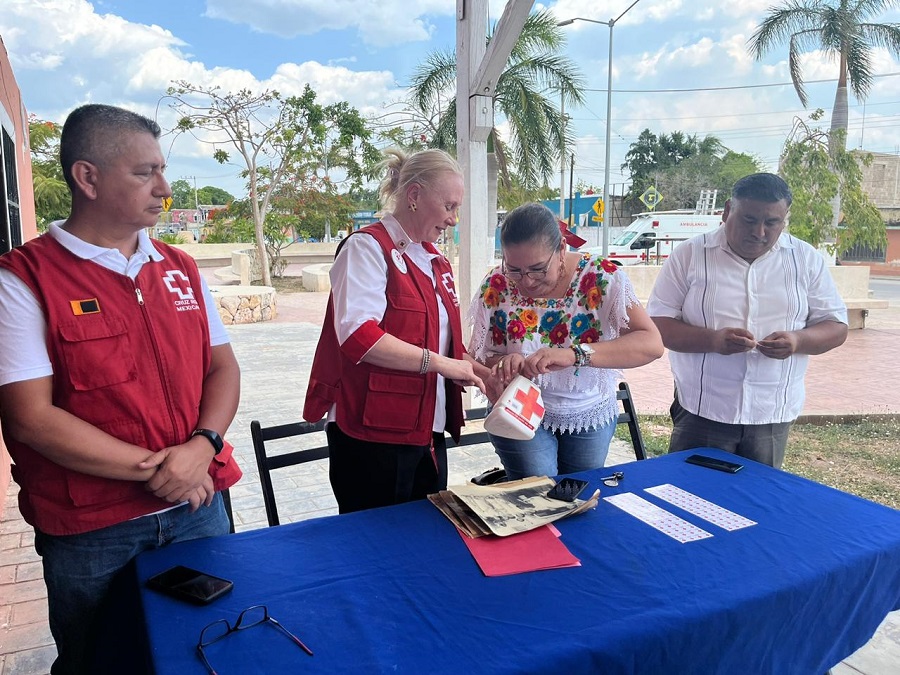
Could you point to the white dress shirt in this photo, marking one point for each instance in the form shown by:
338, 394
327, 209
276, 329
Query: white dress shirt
704, 283
22, 320
359, 293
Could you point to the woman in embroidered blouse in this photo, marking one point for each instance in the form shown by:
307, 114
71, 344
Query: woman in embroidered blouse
567, 320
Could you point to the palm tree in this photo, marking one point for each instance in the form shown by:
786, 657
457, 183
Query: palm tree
537, 129
839, 28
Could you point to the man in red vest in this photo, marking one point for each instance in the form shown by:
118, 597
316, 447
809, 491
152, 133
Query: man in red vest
117, 380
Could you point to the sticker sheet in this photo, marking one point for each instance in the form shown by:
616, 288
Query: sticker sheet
658, 518
713, 513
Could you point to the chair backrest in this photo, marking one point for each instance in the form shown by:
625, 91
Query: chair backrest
629, 416
265, 464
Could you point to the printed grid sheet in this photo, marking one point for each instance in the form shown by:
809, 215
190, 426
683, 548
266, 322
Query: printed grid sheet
713, 513
658, 518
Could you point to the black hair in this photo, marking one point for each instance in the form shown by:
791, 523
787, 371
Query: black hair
528, 223
93, 132
762, 187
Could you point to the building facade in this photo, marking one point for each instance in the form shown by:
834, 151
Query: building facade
881, 181
17, 218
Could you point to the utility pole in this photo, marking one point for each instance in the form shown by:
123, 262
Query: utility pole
562, 157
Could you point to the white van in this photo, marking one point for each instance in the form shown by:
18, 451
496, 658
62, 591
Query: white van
652, 236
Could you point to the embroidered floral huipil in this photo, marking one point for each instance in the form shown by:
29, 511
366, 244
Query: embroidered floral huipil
594, 308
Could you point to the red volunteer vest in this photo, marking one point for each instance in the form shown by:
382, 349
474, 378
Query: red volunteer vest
128, 357
383, 405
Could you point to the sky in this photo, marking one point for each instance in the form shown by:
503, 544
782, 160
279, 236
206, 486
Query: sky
677, 65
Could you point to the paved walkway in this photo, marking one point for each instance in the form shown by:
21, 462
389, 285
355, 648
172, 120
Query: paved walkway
862, 377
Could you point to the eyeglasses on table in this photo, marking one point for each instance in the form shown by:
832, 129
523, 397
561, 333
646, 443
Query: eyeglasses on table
250, 617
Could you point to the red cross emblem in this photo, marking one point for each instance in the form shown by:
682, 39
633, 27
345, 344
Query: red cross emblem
529, 401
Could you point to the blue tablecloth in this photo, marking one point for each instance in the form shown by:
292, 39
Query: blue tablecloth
395, 589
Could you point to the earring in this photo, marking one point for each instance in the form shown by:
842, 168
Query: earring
412, 207
562, 268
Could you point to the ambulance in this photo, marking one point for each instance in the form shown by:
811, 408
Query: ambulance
653, 235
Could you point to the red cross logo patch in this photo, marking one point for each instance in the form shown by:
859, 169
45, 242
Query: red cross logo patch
529, 401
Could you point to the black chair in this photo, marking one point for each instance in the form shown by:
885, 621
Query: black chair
629, 416
226, 499
266, 464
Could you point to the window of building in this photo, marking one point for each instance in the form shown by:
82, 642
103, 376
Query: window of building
10, 212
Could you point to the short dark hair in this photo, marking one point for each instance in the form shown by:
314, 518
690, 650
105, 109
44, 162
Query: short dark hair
762, 187
531, 222
92, 133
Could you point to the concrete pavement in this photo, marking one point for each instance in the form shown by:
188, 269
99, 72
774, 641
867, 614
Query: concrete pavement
862, 377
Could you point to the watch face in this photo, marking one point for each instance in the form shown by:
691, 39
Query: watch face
586, 348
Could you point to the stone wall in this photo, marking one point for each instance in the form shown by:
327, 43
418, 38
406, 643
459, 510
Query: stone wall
245, 304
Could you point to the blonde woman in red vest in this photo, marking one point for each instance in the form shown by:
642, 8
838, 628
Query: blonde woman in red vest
390, 364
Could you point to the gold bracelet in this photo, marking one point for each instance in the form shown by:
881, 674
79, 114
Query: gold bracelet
426, 359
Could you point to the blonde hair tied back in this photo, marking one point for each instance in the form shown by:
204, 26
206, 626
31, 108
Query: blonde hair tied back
402, 170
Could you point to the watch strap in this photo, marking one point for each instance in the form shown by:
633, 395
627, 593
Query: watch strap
213, 437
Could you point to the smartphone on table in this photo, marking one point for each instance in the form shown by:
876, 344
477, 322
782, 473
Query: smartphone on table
713, 463
190, 585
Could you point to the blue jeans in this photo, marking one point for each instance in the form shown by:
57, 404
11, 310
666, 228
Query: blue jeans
79, 570
552, 453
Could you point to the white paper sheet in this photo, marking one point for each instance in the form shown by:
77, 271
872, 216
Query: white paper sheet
713, 513
657, 517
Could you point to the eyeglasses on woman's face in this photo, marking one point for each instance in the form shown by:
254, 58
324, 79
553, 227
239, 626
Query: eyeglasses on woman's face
533, 274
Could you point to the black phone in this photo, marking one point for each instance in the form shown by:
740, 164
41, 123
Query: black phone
567, 489
189, 584
713, 463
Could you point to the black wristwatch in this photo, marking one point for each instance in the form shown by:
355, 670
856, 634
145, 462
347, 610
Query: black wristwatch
212, 437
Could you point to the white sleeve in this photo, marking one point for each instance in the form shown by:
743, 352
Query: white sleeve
479, 318
23, 333
218, 335
358, 285
614, 310
825, 302
671, 288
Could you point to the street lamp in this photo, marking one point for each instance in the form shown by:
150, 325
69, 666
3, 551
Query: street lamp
611, 23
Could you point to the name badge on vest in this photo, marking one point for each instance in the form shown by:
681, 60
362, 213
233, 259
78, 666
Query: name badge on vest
397, 257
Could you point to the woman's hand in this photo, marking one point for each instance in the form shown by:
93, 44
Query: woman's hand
462, 372
507, 367
546, 360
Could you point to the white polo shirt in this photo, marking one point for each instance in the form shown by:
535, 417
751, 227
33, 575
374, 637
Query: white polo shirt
22, 320
704, 283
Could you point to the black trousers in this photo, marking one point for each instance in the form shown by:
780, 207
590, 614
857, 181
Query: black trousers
366, 475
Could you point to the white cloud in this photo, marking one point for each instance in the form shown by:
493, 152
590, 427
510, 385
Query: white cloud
379, 23
65, 53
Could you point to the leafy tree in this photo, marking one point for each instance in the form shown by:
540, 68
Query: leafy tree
681, 165
364, 199
52, 199
510, 197
279, 140
537, 130
184, 197
816, 176
182, 194
841, 30
214, 196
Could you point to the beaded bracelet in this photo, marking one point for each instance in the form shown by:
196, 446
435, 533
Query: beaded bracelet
426, 358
